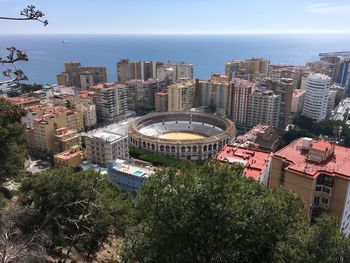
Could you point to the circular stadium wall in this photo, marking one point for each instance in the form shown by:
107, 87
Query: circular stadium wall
184, 135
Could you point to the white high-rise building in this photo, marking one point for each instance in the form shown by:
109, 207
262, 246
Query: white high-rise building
316, 96
175, 71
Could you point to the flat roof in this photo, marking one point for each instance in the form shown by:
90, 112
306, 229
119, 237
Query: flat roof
336, 165
106, 136
254, 161
133, 169
66, 155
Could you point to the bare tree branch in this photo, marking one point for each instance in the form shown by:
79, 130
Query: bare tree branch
16, 75
29, 13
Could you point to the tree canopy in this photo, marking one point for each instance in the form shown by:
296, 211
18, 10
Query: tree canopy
214, 214
77, 209
13, 146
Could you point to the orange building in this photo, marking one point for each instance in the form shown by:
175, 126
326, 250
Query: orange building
319, 171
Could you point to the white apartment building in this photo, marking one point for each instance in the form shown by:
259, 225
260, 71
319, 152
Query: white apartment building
103, 147
89, 115
175, 71
263, 108
316, 96
111, 101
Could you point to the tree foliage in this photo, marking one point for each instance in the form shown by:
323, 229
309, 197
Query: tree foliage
304, 122
291, 135
77, 209
214, 214
157, 158
13, 146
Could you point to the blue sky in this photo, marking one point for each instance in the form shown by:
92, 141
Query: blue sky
180, 16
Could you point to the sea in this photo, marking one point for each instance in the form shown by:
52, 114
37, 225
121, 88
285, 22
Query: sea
207, 53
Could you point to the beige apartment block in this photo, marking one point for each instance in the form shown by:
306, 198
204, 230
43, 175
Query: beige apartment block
66, 139
72, 157
181, 96
161, 101
319, 171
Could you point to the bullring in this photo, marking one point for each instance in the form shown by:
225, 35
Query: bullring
184, 135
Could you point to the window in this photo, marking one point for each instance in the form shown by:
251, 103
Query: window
282, 178
316, 200
324, 189
325, 201
326, 180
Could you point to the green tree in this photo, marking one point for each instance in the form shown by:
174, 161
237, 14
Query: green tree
320, 242
291, 135
209, 214
77, 209
214, 214
326, 127
304, 122
13, 146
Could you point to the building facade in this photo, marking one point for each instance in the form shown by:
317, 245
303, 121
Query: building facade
297, 101
69, 158
76, 76
316, 96
214, 94
103, 147
141, 70
130, 175
181, 96
175, 71
319, 172
238, 98
247, 69
141, 94
111, 101
263, 108
161, 101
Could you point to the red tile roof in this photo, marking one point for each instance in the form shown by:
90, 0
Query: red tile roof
255, 162
337, 164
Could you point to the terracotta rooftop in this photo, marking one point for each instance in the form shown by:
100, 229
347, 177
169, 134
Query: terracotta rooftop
255, 162
22, 101
66, 155
107, 86
336, 164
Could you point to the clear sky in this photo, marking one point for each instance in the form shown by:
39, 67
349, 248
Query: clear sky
180, 16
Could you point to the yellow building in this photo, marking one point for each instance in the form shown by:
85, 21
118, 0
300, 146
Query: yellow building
42, 136
70, 158
181, 96
63, 117
215, 93
66, 139
41, 133
319, 171
161, 101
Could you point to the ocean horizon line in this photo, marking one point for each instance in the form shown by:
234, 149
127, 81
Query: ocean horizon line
180, 34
